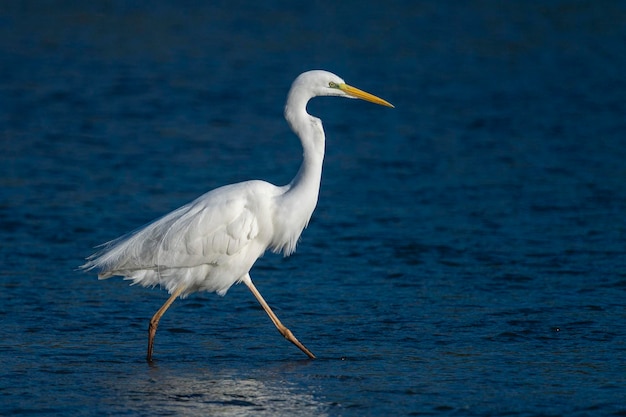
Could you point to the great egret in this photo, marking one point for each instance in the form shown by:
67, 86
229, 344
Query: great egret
212, 242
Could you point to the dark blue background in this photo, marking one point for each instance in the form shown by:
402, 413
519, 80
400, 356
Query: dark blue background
466, 256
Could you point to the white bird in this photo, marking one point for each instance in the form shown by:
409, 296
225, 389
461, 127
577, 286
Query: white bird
212, 242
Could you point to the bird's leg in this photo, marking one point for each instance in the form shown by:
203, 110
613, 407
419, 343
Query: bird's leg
154, 322
281, 328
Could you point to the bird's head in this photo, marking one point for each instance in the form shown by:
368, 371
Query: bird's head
323, 83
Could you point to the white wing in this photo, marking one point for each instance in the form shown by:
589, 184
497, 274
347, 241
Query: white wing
195, 245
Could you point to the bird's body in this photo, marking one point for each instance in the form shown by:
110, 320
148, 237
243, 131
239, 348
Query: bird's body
212, 242
206, 245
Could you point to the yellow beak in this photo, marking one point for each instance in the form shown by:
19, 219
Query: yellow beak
355, 92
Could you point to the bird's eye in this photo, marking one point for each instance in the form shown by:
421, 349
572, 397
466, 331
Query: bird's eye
332, 85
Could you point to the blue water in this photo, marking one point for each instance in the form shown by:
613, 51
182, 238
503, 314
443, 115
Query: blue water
467, 256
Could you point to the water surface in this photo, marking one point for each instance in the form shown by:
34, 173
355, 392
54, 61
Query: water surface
466, 256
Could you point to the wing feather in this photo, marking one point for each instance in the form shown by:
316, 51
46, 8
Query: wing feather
209, 230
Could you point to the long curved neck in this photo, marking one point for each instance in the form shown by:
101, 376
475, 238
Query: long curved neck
305, 185
300, 197
311, 133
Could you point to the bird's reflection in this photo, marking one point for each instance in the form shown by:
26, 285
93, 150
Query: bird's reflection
203, 392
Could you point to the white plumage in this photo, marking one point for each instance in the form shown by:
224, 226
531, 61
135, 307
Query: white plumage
212, 242
206, 245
